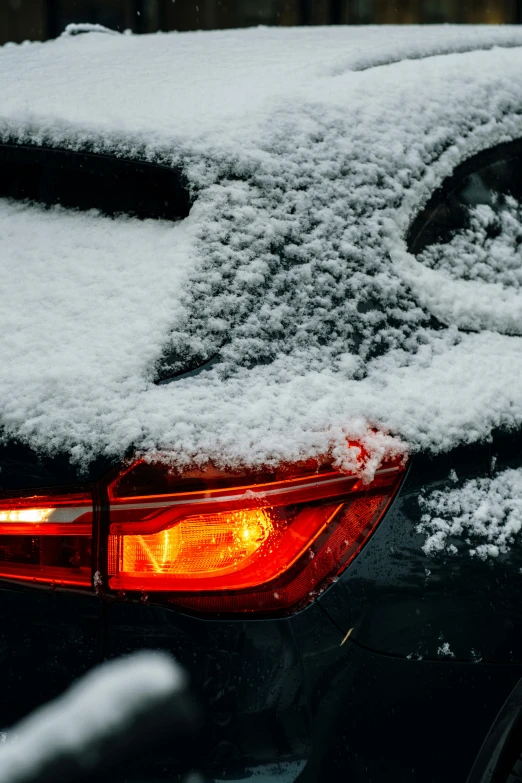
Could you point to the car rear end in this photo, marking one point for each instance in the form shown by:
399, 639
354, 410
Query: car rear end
390, 663
324, 634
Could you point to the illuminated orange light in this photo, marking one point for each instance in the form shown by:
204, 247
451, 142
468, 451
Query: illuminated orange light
198, 545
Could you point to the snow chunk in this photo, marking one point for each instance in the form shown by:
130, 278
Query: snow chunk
444, 651
102, 704
487, 512
86, 27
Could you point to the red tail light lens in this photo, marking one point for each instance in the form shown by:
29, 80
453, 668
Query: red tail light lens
206, 540
47, 538
221, 543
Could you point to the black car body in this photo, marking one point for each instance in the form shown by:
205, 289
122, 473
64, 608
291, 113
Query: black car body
299, 697
402, 665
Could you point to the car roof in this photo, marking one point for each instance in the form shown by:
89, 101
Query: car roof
307, 158
182, 84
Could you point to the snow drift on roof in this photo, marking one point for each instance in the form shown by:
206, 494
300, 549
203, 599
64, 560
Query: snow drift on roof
292, 268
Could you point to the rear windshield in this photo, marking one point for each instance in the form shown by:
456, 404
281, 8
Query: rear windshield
488, 185
86, 181
472, 229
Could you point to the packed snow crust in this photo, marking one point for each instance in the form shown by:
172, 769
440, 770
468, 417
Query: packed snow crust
484, 512
306, 166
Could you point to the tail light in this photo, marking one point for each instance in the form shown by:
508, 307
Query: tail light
212, 542
47, 538
208, 541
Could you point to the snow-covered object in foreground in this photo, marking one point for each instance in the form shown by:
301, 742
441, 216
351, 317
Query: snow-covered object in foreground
73, 734
307, 158
486, 512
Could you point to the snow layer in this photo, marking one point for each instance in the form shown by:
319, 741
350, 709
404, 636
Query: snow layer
306, 166
105, 704
486, 512
481, 267
488, 249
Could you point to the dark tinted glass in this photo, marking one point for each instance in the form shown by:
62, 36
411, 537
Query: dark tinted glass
88, 181
488, 178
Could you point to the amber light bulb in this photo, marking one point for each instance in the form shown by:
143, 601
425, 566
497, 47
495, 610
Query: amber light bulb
198, 544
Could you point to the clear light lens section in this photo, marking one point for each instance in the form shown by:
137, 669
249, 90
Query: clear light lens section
198, 545
47, 538
34, 515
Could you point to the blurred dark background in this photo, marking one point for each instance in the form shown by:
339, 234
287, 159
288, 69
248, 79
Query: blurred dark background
41, 19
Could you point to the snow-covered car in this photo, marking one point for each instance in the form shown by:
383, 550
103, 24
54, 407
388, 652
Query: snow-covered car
260, 389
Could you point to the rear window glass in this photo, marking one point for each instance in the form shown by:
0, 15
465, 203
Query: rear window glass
490, 183
86, 181
471, 230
